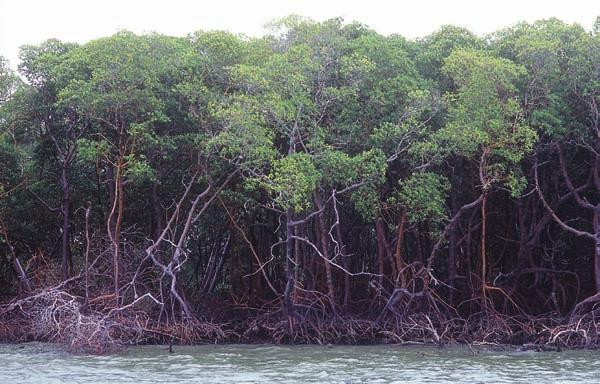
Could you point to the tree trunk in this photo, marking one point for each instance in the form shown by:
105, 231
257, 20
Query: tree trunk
156, 220
452, 263
297, 258
597, 248
346, 264
325, 251
114, 223
14, 261
380, 232
289, 269
483, 246
88, 211
65, 212
400, 264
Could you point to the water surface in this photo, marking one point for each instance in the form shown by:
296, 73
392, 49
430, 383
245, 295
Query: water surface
46, 363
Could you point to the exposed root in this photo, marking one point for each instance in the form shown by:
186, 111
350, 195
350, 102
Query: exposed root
58, 316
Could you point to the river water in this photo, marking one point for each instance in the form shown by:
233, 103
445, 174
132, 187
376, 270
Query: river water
46, 363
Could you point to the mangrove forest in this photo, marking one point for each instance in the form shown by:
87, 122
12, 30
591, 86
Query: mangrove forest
323, 183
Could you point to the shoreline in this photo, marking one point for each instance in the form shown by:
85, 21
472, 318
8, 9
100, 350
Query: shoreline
105, 332
474, 348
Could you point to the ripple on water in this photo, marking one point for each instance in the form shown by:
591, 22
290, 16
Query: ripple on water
45, 363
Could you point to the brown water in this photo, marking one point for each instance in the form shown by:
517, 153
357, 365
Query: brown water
46, 363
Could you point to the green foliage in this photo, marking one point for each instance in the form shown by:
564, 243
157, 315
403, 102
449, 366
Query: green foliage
314, 107
370, 168
293, 180
558, 58
432, 50
486, 120
91, 151
138, 169
244, 138
423, 194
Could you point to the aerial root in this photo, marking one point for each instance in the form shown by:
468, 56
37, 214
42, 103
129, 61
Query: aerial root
58, 316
